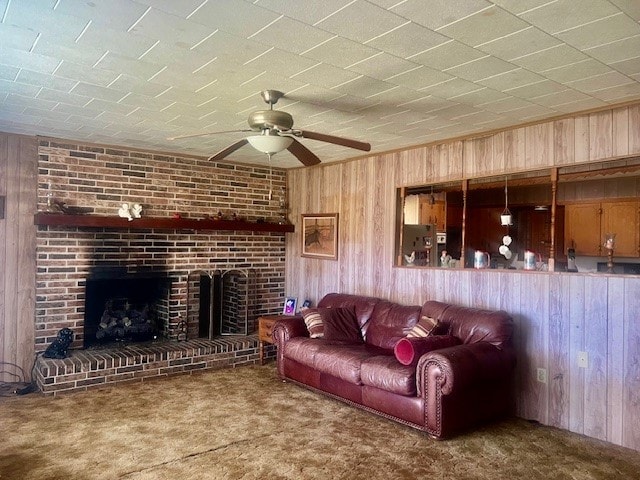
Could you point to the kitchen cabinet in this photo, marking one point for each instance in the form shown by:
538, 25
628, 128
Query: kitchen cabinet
433, 214
621, 218
587, 223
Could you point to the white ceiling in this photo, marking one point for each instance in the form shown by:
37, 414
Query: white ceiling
394, 73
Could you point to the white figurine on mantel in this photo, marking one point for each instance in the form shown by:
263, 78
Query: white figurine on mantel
130, 213
410, 259
124, 212
136, 210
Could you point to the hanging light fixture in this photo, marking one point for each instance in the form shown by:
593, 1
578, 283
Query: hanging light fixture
505, 216
269, 143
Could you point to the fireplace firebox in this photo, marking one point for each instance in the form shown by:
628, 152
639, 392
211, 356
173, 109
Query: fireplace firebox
126, 308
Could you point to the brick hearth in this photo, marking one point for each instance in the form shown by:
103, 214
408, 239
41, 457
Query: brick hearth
85, 369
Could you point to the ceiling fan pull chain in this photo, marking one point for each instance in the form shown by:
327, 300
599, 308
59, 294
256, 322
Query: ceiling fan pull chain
270, 178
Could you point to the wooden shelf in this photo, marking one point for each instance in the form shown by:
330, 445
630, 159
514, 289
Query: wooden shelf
100, 221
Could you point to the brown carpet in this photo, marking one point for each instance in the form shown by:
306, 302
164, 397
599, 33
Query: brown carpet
244, 424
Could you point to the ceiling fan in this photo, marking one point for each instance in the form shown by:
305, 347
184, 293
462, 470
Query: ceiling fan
276, 133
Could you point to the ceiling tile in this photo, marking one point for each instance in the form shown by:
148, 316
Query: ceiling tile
382, 66
481, 68
36, 78
628, 67
484, 26
127, 83
519, 6
135, 68
560, 15
68, 50
408, 40
326, 76
577, 71
19, 88
598, 82
182, 8
16, 37
514, 78
286, 63
451, 88
122, 43
552, 100
238, 18
116, 14
8, 73
291, 35
171, 29
619, 93
76, 72
372, 21
96, 91
431, 103
438, 13
419, 78
307, 12
550, 58
506, 104
350, 52
536, 89
523, 42
616, 51
630, 7
32, 61
580, 105
447, 55
601, 32
225, 47
363, 87
60, 97
39, 16
478, 97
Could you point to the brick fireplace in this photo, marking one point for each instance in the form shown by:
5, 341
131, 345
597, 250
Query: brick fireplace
101, 179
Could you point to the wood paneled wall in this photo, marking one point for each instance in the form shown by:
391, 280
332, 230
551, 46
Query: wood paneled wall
556, 314
18, 183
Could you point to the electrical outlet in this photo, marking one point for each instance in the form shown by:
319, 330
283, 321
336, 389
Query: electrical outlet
583, 359
542, 375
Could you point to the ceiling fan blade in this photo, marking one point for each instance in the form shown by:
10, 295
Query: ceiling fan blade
192, 135
230, 149
302, 153
346, 142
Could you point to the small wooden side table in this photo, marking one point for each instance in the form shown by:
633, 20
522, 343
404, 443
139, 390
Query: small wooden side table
265, 327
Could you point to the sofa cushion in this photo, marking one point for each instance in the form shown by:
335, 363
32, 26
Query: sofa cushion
302, 350
341, 360
363, 305
313, 321
409, 350
389, 323
340, 324
425, 327
386, 373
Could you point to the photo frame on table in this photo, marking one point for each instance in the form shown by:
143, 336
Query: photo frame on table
289, 307
320, 235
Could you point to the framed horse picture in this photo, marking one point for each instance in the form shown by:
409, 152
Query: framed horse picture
320, 235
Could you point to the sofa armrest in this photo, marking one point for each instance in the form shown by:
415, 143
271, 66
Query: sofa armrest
459, 367
287, 328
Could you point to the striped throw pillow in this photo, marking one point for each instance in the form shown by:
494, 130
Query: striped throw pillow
313, 321
424, 327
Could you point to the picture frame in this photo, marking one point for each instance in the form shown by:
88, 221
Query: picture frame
289, 307
320, 235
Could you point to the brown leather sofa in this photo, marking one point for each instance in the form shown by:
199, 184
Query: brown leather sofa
450, 389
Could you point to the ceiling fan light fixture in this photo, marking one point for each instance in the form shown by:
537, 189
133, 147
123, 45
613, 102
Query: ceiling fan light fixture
269, 144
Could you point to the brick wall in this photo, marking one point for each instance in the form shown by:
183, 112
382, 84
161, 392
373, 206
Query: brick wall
103, 178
